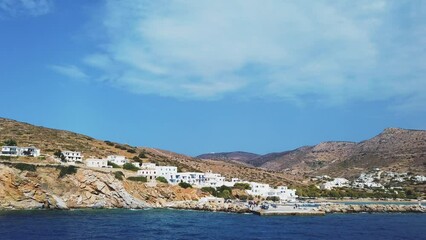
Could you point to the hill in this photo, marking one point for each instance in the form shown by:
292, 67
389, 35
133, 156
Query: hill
237, 157
394, 149
49, 140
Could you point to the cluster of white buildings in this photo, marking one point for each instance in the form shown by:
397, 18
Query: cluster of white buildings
14, 151
335, 183
210, 179
103, 162
371, 179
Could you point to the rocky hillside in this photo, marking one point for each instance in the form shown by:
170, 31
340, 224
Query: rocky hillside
49, 140
393, 149
43, 187
237, 157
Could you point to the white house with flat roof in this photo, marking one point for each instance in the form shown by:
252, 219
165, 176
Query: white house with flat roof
336, 183
193, 178
151, 171
72, 156
14, 151
98, 163
213, 179
116, 159
264, 190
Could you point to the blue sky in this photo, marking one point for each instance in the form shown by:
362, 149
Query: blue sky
212, 76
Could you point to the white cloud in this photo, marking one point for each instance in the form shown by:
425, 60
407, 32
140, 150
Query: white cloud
25, 7
70, 71
329, 52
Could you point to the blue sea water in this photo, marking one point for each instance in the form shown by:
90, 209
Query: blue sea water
180, 224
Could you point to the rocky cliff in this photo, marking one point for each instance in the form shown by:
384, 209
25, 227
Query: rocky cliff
87, 188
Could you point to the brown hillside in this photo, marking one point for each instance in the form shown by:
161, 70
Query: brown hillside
49, 140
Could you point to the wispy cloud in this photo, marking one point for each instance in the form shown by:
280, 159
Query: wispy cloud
328, 52
25, 7
70, 71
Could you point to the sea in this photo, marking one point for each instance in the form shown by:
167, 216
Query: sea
184, 224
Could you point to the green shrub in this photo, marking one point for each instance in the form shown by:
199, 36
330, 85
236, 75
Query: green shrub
162, 179
113, 165
25, 167
210, 190
67, 170
225, 194
57, 153
242, 186
131, 167
273, 198
137, 179
243, 197
109, 143
119, 175
137, 159
10, 142
131, 151
223, 188
142, 155
5, 158
185, 185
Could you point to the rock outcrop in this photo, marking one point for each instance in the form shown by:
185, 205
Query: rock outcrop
214, 207
372, 208
44, 189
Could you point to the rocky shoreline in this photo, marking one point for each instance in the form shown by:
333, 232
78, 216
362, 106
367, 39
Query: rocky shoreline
372, 208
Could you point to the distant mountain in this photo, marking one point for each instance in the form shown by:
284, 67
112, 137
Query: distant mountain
393, 149
239, 156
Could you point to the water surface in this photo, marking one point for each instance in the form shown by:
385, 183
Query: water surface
180, 224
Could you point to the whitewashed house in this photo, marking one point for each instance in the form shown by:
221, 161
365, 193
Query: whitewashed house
232, 182
10, 151
71, 156
336, 183
98, 163
151, 171
264, 190
116, 159
168, 172
193, 178
14, 151
213, 179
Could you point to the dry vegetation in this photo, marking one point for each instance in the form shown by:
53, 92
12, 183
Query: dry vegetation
50, 140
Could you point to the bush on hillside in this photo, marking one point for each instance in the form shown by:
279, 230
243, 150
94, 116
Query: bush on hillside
242, 186
162, 179
25, 167
210, 190
67, 170
273, 198
10, 142
131, 167
113, 165
57, 153
119, 175
109, 143
131, 151
137, 179
185, 185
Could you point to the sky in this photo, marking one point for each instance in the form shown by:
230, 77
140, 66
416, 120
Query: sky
214, 76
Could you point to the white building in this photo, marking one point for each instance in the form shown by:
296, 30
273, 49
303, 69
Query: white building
264, 190
193, 178
98, 163
119, 160
151, 171
213, 179
336, 183
71, 156
14, 151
